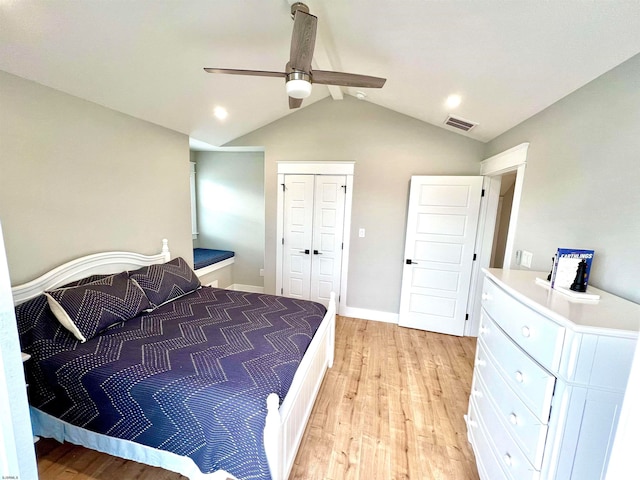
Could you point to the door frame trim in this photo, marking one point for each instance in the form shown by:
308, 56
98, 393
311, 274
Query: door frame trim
316, 168
492, 168
512, 159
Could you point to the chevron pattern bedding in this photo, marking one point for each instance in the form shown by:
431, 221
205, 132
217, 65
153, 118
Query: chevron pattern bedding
190, 377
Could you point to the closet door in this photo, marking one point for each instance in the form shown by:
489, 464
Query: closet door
313, 231
298, 235
328, 228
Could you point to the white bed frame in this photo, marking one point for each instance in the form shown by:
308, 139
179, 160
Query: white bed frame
284, 426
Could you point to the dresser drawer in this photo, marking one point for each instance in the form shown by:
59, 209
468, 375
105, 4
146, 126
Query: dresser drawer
532, 383
512, 460
526, 429
488, 466
539, 336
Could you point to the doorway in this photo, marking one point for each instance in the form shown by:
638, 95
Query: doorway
494, 169
503, 217
230, 206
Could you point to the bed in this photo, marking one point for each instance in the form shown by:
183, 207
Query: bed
175, 385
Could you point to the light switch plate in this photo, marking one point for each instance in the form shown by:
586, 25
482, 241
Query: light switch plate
526, 259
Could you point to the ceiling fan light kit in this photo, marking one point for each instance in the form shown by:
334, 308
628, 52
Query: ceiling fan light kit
298, 85
298, 73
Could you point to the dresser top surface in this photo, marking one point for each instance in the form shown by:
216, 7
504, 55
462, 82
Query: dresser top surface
609, 315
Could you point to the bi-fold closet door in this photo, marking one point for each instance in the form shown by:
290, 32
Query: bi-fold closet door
313, 228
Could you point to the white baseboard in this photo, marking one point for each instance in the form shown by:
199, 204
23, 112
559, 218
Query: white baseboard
246, 288
367, 314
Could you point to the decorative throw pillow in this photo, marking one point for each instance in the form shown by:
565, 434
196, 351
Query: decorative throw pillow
86, 310
163, 282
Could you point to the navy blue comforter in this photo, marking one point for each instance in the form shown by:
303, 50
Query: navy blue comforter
191, 377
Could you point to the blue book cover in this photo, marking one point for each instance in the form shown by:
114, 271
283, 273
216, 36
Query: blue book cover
565, 267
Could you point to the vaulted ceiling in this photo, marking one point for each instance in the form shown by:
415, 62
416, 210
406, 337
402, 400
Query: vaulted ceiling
507, 60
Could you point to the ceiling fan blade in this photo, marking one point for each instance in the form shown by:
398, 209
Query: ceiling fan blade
324, 77
294, 102
255, 73
303, 41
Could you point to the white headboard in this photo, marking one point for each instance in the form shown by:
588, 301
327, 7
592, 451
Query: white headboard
95, 264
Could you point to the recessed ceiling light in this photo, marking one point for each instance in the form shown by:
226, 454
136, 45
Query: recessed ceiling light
453, 100
220, 113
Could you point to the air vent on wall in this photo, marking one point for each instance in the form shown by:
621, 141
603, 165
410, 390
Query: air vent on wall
456, 122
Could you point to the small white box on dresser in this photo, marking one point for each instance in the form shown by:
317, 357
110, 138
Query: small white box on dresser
549, 379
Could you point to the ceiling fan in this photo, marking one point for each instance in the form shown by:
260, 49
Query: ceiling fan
298, 73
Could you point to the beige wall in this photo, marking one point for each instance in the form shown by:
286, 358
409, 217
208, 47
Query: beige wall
582, 182
77, 178
230, 205
388, 148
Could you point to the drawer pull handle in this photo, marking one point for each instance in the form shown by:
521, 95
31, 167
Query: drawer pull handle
513, 418
486, 296
477, 393
507, 459
519, 376
484, 330
526, 331
480, 362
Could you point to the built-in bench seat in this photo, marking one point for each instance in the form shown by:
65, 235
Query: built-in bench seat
207, 260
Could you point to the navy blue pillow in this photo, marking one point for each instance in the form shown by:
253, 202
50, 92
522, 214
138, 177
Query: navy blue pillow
163, 282
86, 310
37, 326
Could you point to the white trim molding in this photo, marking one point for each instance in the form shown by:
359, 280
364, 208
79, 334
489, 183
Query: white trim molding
366, 314
201, 272
315, 168
246, 288
505, 161
513, 159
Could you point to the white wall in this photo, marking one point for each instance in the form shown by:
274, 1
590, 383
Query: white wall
17, 455
387, 148
582, 186
77, 178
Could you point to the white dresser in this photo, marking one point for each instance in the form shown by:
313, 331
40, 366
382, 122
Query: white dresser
549, 379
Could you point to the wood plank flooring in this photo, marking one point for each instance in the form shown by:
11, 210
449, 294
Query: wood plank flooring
391, 407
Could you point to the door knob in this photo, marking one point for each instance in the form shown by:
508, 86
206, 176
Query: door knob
305, 252
411, 262
316, 252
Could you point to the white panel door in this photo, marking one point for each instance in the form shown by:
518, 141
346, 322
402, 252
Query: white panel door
328, 224
298, 235
441, 231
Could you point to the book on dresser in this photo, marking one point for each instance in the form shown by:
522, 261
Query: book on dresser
565, 267
549, 379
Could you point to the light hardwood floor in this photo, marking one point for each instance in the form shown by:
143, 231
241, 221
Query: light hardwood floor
391, 407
